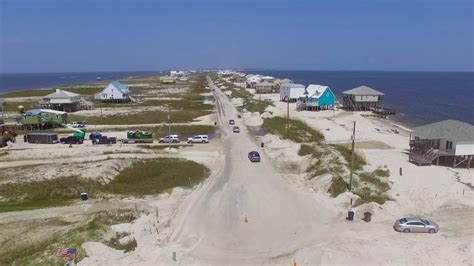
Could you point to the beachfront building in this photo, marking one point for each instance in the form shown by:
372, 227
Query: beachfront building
315, 98
66, 101
114, 92
450, 141
43, 118
264, 87
252, 80
290, 92
362, 98
167, 79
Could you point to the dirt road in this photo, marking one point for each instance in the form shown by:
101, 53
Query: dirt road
247, 212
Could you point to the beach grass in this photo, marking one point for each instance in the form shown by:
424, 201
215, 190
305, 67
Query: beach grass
155, 176
43, 194
145, 177
366, 196
43, 252
297, 130
27, 93
142, 118
359, 159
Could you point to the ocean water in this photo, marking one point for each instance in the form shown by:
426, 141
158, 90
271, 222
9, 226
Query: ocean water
26, 81
417, 97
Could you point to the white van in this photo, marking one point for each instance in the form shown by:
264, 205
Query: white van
199, 139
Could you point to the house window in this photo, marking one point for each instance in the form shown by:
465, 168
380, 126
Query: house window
449, 145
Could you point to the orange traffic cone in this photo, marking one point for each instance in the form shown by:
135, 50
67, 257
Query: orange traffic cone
294, 263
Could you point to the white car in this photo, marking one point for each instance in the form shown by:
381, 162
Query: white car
199, 139
170, 139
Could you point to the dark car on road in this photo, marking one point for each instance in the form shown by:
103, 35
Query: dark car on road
104, 140
71, 140
254, 156
231, 122
236, 129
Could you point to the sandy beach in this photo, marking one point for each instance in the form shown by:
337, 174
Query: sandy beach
179, 220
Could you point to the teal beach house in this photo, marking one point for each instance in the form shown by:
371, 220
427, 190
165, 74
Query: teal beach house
317, 97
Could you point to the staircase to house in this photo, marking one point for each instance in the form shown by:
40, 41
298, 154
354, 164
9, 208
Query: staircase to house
426, 157
352, 104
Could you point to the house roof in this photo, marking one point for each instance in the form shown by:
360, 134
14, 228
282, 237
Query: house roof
265, 83
292, 85
452, 130
120, 86
37, 111
286, 81
315, 91
61, 94
363, 90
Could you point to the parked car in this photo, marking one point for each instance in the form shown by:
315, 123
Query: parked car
231, 122
71, 140
254, 156
236, 129
415, 225
78, 124
169, 138
104, 140
94, 135
199, 139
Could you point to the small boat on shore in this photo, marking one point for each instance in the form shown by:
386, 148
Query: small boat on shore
98, 78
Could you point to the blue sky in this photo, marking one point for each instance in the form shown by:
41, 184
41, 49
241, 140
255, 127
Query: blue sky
117, 35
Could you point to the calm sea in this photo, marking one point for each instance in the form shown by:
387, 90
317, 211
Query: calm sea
418, 97
25, 81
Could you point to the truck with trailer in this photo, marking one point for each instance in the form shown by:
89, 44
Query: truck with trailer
138, 136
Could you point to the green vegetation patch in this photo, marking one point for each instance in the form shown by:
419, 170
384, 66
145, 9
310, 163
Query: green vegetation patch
43, 194
183, 116
44, 252
155, 176
142, 178
366, 196
297, 131
359, 160
28, 93
373, 178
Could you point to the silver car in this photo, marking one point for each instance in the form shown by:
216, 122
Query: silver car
415, 225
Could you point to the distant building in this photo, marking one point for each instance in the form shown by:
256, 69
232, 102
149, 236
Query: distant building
114, 92
316, 97
252, 80
167, 79
43, 118
66, 101
362, 98
264, 87
291, 92
450, 140
177, 73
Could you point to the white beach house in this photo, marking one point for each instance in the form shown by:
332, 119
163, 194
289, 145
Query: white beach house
66, 101
291, 92
114, 92
450, 140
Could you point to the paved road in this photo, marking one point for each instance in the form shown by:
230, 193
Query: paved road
280, 219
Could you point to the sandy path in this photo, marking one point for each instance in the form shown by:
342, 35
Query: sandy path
280, 219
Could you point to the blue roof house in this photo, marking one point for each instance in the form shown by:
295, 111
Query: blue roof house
317, 97
114, 92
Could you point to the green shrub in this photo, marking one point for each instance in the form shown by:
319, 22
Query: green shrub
366, 196
382, 172
338, 186
297, 131
155, 176
359, 160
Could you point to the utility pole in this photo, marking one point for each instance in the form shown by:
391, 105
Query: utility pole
352, 156
287, 114
169, 126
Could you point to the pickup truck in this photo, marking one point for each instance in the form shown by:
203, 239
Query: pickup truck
71, 140
104, 140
